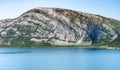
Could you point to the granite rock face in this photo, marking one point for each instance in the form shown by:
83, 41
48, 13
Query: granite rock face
56, 26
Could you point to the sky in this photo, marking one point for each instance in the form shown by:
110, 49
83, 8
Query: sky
14, 8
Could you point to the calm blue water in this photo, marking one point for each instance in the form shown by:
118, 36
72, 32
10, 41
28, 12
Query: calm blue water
59, 59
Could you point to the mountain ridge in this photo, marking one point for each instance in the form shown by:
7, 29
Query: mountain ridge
57, 26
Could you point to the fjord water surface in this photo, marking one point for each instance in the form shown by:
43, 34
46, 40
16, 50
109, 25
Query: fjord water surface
59, 59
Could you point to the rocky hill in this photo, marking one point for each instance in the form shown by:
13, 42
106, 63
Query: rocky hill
56, 26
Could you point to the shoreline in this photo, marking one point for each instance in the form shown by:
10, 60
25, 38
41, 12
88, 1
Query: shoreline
61, 46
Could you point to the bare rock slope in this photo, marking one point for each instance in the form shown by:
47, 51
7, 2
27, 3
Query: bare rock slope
56, 26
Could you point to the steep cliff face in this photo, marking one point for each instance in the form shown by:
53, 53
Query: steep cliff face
55, 26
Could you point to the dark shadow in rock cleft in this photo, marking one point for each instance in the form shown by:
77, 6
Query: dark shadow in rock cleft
93, 31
